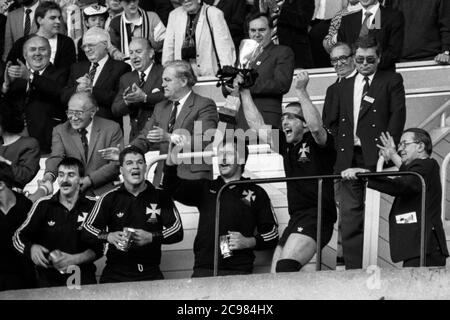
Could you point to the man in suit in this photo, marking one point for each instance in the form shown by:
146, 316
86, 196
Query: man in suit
275, 67
48, 19
19, 23
35, 90
80, 137
100, 74
369, 103
140, 89
413, 154
386, 24
182, 115
291, 19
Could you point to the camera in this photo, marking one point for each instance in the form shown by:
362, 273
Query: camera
227, 74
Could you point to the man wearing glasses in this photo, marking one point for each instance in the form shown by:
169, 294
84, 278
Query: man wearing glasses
366, 105
80, 137
413, 154
99, 75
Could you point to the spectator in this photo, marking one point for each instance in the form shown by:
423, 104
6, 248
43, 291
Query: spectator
234, 12
275, 67
331, 38
140, 89
35, 90
413, 154
50, 236
161, 7
136, 204
367, 104
94, 16
341, 58
290, 21
15, 271
307, 153
246, 213
80, 137
182, 113
114, 9
20, 22
48, 19
100, 74
198, 33
324, 11
429, 39
386, 24
20, 154
135, 22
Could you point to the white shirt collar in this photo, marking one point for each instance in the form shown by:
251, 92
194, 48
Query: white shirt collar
33, 7
102, 62
146, 71
373, 9
360, 77
89, 130
128, 21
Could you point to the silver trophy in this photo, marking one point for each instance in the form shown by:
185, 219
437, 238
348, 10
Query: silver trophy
248, 51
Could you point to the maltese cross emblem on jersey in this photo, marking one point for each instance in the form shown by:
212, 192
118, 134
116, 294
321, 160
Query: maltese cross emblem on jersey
248, 196
302, 157
152, 213
81, 218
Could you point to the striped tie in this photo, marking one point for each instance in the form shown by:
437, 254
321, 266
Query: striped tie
27, 27
274, 8
365, 90
142, 80
93, 71
365, 25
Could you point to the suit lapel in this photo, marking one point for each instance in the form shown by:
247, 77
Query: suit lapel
185, 110
350, 87
77, 140
19, 23
151, 79
104, 74
95, 131
356, 23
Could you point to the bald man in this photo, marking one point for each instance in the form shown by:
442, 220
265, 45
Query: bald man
99, 75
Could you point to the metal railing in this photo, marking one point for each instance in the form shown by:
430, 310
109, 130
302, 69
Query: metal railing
319, 208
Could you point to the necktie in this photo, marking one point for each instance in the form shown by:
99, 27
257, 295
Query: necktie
84, 141
173, 116
365, 25
274, 8
365, 89
27, 27
93, 71
142, 80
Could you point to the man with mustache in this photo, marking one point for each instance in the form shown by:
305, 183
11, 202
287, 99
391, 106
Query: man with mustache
140, 89
50, 236
20, 22
135, 204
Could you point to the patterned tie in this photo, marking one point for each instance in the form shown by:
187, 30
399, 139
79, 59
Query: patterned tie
365, 25
274, 8
142, 80
27, 27
92, 72
173, 116
365, 90
84, 141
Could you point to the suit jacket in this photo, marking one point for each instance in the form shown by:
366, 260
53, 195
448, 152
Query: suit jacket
292, 25
206, 58
65, 51
197, 110
390, 36
275, 67
386, 113
41, 104
404, 238
66, 142
105, 88
14, 29
139, 113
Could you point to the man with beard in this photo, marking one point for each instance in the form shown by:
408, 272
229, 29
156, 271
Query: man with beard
20, 22
151, 215
50, 236
308, 153
140, 89
246, 213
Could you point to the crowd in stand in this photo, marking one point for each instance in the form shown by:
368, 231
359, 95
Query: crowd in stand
74, 68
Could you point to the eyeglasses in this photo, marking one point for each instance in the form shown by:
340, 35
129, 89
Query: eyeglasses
369, 59
403, 144
76, 113
291, 116
89, 46
341, 59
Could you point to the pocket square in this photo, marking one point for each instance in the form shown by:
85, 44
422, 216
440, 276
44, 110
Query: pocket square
155, 90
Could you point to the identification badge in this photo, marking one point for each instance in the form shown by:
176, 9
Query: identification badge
369, 99
406, 218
